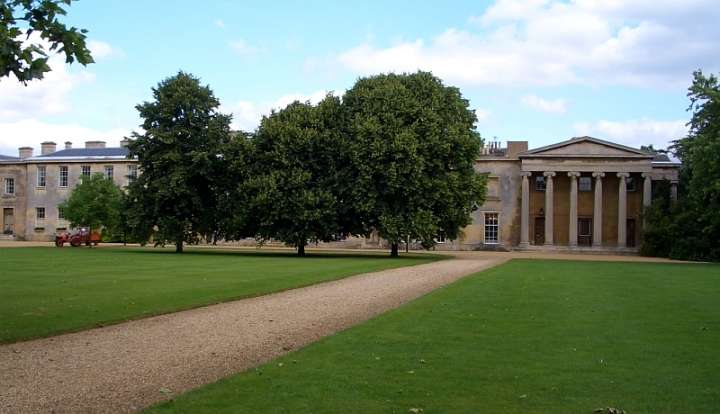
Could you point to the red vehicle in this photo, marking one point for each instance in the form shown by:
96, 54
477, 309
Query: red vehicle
81, 236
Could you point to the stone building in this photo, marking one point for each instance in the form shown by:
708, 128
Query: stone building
34, 185
579, 194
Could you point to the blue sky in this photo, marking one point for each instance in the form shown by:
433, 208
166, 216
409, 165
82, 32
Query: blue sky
538, 70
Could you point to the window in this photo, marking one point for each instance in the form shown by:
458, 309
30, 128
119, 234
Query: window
492, 228
585, 184
41, 176
9, 186
540, 183
109, 171
85, 169
630, 184
440, 238
61, 213
132, 173
63, 178
40, 217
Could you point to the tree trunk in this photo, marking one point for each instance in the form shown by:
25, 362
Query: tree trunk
179, 246
394, 250
301, 249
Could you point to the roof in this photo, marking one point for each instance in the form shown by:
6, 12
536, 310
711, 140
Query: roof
113, 153
632, 151
8, 158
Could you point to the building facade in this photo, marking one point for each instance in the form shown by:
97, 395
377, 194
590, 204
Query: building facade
580, 194
33, 186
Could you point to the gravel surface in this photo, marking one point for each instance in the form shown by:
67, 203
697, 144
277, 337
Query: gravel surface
125, 367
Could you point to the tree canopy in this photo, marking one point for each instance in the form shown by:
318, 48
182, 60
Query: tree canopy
414, 143
181, 160
30, 30
94, 203
298, 186
690, 228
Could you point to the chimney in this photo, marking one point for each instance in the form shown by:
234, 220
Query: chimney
124, 143
516, 147
25, 152
47, 147
68, 145
94, 144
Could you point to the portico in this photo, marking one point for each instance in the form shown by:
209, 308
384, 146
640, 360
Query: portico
583, 193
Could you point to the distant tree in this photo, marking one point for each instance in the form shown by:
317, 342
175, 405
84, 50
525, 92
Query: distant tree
298, 183
28, 60
414, 146
652, 150
180, 159
94, 203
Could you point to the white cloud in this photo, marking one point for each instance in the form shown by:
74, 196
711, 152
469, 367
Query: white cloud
245, 49
220, 23
31, 132
48, 96
555, 106
635, 133
101, 50
247, 115
544, 42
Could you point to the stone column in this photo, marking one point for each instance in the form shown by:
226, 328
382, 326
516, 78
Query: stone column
525, 210
549, 213
673, 190
647, 189
622, 209
597, 210
572, 232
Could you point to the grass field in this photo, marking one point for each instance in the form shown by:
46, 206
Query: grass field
46, 291
525, 337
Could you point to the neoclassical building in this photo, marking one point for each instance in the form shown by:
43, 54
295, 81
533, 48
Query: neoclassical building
582, 194
33, 185
579, 194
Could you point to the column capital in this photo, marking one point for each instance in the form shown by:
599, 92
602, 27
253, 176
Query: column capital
598, 175
623, 175
525, 173
573, 174
549, 174
647, 175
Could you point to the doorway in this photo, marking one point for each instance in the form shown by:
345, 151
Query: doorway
539, 231
8, 226
584, 231
630, 235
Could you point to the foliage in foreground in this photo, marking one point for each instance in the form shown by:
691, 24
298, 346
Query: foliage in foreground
30, 31
690, 229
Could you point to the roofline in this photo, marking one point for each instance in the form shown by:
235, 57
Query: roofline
46, 159
533, 152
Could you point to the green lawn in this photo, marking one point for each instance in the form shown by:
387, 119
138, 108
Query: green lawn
46, 291
526, 337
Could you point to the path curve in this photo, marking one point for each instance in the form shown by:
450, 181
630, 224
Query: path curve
126, 367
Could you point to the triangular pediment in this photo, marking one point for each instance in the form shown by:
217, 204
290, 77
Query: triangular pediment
586, 147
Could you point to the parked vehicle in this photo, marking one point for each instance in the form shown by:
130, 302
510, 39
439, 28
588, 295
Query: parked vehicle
81, 236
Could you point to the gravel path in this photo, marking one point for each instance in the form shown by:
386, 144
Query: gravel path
126, 367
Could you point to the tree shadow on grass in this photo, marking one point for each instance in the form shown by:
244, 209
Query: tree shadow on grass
309, 255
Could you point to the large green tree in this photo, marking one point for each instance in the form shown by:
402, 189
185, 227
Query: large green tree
700, 174
180, 154
95, 202
27, 57
299, 181
414, 147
